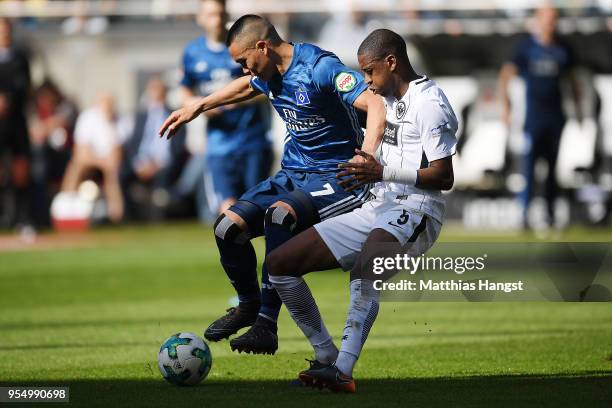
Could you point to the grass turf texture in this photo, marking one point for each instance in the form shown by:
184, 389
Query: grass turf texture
93, 318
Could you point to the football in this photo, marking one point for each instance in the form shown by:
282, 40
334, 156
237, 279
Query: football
184, 359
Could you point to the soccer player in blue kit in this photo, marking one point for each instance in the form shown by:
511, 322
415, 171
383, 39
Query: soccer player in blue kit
318, 97
543, 60
239, 153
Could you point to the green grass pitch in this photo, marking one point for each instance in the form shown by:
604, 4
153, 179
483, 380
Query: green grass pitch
91, 313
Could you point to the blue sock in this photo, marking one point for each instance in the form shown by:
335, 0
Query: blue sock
271, 303
240, 264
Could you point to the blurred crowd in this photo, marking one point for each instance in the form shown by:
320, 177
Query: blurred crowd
50, 143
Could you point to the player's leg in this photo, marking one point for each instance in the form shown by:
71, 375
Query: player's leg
341, 239
291, 214
304, 253
234, 229
281, 221
329, 244
255, 168
363, 308
416, 233
233, 232
362, 311
284, 219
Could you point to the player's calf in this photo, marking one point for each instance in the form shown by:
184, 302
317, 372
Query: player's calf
232, 234
303, 309
261, 338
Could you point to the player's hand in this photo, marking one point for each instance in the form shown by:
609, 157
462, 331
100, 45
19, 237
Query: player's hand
178, 118
357, 174
357, 159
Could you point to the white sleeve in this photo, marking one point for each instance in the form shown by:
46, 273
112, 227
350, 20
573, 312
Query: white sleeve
438, 125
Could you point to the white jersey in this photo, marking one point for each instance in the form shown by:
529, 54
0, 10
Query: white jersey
420, 128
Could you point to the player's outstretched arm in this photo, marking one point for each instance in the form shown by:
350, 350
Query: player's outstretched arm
438, 176
375, 123
236, 91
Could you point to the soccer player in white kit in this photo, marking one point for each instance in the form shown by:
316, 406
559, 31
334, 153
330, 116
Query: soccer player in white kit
414, 165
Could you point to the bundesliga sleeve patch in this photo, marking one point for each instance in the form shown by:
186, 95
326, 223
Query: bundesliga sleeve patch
437, 131
345, 81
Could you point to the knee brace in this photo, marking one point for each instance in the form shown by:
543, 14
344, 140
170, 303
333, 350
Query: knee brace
227, 230
305, 211
281, 217
252, 215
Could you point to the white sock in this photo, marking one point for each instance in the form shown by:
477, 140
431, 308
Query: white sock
326, 352
296, 296
362, 312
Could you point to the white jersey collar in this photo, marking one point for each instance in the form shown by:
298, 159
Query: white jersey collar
412, 85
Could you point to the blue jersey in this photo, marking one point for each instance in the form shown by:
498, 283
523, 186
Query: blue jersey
206, 70
542, 68
315, 99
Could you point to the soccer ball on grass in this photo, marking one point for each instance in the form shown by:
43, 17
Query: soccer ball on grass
184, 359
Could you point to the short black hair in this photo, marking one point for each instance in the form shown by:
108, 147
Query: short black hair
382, 42
253, 25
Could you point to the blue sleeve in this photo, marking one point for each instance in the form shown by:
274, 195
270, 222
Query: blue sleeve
331, 75
259, 85
188, 80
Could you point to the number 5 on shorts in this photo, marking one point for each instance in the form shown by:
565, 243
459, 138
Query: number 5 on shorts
402, 220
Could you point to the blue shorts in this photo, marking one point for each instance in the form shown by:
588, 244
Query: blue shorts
322, 191
229, 176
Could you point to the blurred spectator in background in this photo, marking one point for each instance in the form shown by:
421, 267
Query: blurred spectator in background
343, 31
82, 20
97, 146
239, 153
51, 127
542, 60
14, 143
150, 163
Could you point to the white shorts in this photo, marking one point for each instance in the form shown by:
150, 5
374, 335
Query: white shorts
345, 234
